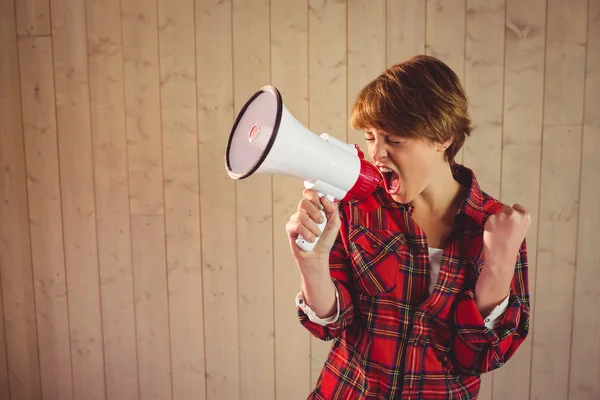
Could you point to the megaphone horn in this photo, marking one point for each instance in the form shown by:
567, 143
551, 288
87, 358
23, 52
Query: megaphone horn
266, 138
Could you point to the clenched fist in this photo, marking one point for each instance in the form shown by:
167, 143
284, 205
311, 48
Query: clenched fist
304, 222
504, 233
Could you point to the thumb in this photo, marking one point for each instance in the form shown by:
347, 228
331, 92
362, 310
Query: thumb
333, 217
519, 208
330, 232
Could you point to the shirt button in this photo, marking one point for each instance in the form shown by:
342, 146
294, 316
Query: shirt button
300, 301
487, 320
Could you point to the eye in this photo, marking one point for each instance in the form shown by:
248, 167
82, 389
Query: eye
394, 142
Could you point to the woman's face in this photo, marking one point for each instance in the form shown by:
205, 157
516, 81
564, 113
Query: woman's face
408, 164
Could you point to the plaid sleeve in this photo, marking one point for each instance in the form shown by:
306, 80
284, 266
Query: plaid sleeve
478, 349
340, 270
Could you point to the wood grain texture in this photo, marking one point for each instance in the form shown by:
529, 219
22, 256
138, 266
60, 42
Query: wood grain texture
33, 17
366, 52
142, 102
45, 217
289, 71
484, 81
405, 29
565, 62
4, 382
109, 141
584, 378
251, 70
559, 201
445, 37
556, 261
20, 326
521, 156
119, 109
445, 33
327, 72
217, 199
182, 196
151, 306
78, 201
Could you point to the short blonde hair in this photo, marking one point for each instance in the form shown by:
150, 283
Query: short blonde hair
419, 98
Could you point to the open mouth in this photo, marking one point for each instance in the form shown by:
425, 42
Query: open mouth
391, 180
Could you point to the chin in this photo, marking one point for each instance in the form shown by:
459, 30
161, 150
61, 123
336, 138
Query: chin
403, 197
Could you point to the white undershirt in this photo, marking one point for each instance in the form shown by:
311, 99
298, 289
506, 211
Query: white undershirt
435, 261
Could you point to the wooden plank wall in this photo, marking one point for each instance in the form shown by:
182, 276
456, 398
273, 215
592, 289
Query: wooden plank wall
131, 266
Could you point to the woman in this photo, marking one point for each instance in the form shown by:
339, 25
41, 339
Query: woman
423, 286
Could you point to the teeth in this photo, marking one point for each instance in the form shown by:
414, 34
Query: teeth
384, 169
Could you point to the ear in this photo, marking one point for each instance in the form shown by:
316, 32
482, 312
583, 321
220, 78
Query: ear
441, 147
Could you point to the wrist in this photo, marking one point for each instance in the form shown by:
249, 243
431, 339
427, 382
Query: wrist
487, 301
500, 258
489, 293
498, 262
320, 296
316, 269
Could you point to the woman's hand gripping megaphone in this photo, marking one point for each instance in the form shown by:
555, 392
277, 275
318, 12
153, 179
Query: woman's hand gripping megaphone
312, 230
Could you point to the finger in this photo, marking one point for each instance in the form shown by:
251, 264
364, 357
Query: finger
313, 196
304, 220
519, 208
333, 216
310, 224
298, 229
331, 209
306, 206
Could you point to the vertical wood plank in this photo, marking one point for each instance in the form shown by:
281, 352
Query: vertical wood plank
33, 17
565, 61
182, 208
217, 198
151, 306
142, 102
445, 33
556, 261
77, 189
445, 37
405, 30
521, 156
103, 20
20, 325
289, 66
251, 70
566, 38
4, 382
584, 382
327, 100
366, 52
484, 80
45, 216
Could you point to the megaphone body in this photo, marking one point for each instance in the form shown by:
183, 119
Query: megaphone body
266, 138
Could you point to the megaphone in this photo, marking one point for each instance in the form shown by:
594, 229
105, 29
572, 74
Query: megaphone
266, 138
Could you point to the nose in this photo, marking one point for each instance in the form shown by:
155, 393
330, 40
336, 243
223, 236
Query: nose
378, 150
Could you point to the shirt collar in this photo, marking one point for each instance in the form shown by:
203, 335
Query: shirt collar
472, 205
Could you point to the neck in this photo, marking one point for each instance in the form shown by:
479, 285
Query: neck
442, 196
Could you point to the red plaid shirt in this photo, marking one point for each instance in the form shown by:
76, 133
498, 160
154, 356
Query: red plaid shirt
392, 339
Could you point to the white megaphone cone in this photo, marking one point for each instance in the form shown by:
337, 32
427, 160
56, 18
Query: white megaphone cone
266, 138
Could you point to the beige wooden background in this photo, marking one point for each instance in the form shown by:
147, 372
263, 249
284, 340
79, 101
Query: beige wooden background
132, 267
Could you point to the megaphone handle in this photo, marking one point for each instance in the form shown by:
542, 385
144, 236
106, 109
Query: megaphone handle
305, 244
